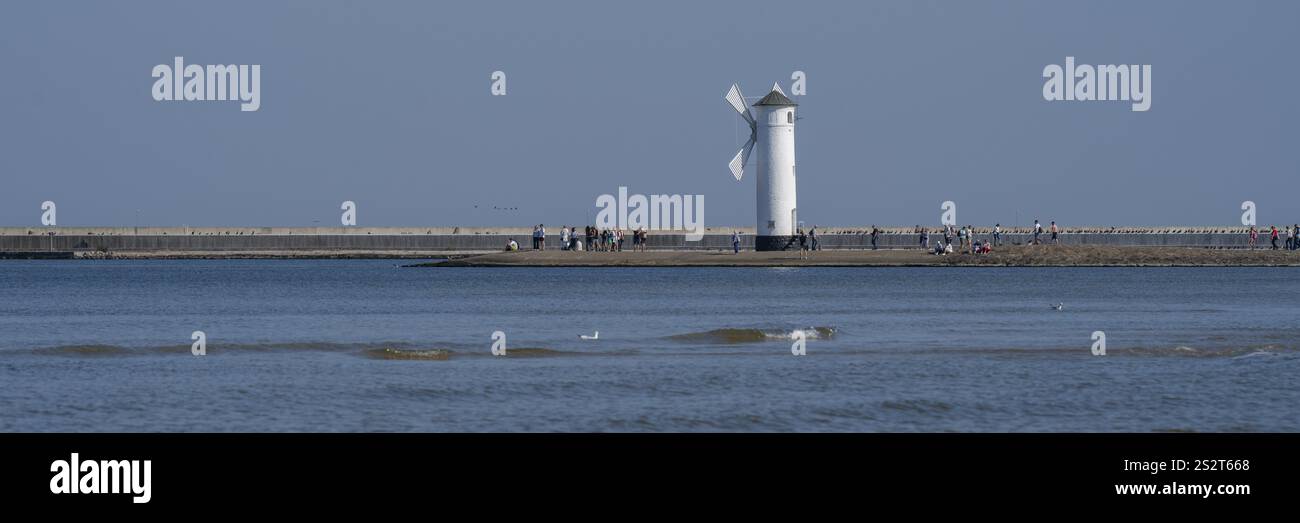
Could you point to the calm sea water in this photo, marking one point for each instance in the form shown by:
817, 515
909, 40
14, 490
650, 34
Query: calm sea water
368, 346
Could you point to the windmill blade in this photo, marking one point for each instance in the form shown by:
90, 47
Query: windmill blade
737, 101
738, 162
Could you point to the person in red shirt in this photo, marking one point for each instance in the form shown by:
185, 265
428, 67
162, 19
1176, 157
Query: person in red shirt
1273, 237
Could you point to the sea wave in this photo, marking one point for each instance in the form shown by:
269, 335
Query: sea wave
84, 350
1220, 351
389, 353
751, 335
534, 352
727, 342
97, 350
376, 350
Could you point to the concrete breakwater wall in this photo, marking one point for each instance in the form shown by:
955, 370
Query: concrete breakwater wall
41, 240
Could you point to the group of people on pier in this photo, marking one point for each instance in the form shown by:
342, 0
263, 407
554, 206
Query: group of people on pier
1290, 237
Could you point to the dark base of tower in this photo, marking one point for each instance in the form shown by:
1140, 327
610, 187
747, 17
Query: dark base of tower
776, 243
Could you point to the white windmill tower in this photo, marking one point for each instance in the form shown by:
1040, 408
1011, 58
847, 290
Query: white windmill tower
772, 131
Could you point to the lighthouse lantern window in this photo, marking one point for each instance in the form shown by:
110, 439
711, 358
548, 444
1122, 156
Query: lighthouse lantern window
789, 117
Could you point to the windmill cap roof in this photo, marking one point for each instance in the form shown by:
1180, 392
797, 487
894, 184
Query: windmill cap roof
775, 98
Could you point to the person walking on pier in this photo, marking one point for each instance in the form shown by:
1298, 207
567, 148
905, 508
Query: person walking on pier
925, 239
812, 237
875, 235
1054, 240
997, 234
1273, 237
564, 238
1254, 237
803, 245
735, 241
1295, 237
1038, 230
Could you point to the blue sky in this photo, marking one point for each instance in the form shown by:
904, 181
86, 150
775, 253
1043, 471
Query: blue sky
387, 104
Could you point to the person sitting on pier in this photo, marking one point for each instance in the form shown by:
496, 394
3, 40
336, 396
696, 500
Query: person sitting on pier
511, 245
